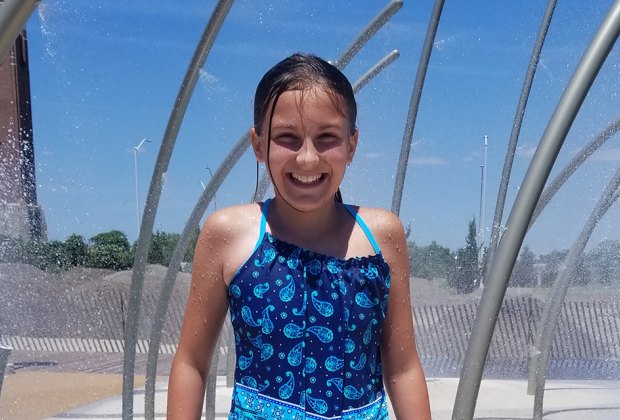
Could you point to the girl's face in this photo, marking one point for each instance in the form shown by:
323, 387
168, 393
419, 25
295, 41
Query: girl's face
311, 145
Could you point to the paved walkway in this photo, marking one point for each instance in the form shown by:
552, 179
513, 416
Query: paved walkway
498, 399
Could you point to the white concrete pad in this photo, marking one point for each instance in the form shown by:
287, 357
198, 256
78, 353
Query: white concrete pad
497, 399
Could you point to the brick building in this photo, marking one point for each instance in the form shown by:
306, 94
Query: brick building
20, 214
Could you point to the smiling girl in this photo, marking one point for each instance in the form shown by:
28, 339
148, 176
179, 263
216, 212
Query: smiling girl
318, 290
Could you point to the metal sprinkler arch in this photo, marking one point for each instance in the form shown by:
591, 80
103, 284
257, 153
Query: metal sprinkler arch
539, 361
150, 208
540, 354
572, 166
569, 169
540, 357
523, 208
516, 130
13, 17
414, 105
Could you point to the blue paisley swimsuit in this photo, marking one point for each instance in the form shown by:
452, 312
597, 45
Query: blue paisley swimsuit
307, 328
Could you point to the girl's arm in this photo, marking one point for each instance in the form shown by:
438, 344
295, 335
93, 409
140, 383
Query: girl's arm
204, 315
402, 372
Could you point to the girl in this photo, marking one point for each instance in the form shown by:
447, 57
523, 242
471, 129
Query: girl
318, 290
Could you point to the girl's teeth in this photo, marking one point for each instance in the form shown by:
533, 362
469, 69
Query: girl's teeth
306, 179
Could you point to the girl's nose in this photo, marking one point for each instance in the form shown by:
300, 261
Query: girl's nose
307, 154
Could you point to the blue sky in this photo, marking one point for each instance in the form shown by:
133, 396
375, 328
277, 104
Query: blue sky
105, 74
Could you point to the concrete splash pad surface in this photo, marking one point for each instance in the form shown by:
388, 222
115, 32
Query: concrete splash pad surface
71, 384
38, 395
97, 396
87, 386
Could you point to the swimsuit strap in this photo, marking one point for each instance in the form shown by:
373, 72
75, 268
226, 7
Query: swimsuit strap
353, 212
364, 227
263, 223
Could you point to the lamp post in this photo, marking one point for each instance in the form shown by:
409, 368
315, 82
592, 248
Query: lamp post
483, 187
481, 221
135, 166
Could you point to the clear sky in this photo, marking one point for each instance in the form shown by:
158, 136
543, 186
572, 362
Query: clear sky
104, 75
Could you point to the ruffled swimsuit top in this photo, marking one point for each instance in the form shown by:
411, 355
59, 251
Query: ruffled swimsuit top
307, 329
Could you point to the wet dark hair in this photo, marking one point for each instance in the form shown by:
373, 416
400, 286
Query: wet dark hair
302, 72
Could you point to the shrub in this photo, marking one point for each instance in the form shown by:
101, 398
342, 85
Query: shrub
109, 256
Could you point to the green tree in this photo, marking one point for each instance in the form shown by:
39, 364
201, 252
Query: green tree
466, 274
55, 256
430, 262
113, 237
523, 274
581, 275
49, 256
110, 250
109, 256
162, 247
554, 261
156, 252
604, 262
77, 250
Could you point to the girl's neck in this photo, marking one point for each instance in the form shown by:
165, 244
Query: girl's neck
308, 229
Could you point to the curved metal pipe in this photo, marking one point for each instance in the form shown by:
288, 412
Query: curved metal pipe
152, 201
414, 105
570, 168
521, 213
370, 29
193, 223
13, 17
263, 185
539, 362
516, 129
374, 70
211, 388
5, 352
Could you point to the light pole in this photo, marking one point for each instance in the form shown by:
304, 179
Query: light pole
481, 221
135, 167
483, 192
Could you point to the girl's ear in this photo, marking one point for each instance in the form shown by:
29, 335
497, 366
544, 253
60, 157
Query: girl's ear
353, 145
257, 146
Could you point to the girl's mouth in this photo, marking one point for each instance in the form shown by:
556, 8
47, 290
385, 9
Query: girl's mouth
307, 179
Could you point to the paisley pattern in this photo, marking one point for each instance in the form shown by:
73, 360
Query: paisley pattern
307, 330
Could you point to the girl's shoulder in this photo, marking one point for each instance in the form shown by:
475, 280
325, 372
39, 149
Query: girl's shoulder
234, 218
385, 226
379, 221
233, 233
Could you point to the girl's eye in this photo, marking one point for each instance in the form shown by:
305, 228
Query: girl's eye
286, 139
328, 138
